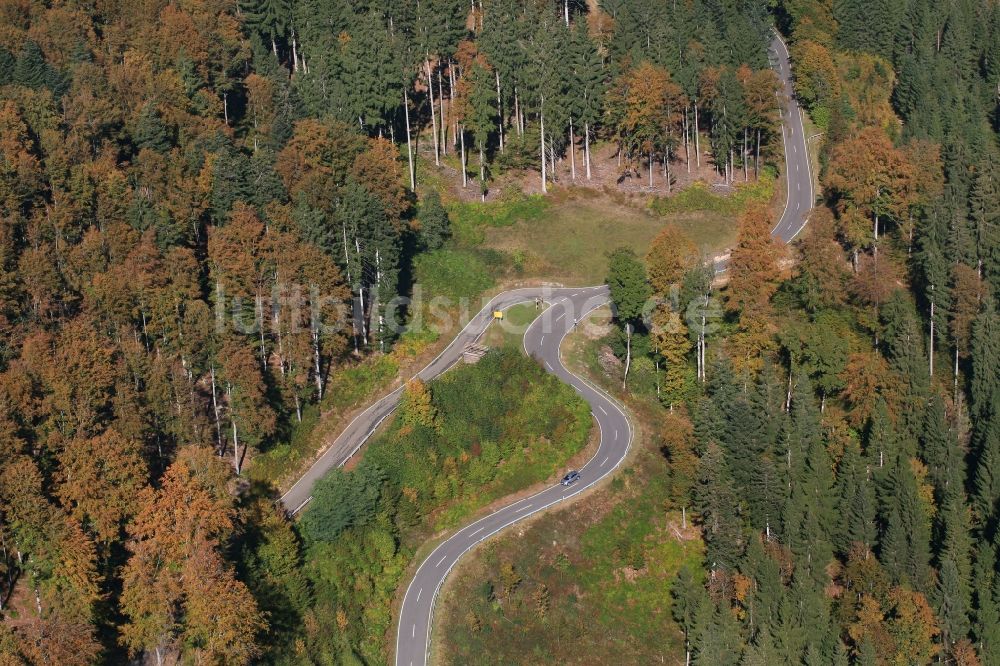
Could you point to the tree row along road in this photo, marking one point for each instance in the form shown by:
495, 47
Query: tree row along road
542, 340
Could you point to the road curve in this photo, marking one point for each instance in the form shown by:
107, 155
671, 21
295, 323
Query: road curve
798, 174
542, 340
365, 423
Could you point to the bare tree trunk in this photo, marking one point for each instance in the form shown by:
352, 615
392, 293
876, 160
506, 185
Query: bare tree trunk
434, 127
317, 367
347, 263
697, 137
215, 409
444, 130
482, 173
517, 113
746, 175
232, 422
361, 294
461, 139
628, 352
666, 168
572, 150
499, 111
687, 144
756, 161
451, 102
541, 120
409, 141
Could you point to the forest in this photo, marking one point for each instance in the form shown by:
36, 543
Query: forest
841, 440
207, 208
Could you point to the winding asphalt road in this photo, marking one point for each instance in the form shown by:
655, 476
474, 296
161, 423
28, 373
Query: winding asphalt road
798, 175
542, 340
365, 423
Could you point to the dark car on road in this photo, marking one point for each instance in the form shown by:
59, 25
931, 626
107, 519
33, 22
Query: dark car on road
570, 478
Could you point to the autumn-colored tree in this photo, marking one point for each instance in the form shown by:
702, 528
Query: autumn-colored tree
175, 565
377, 167
101, 477
866, 377
318, 159
816, 81
670, 255
670, 340
251, 418
913, 627
415, 407
753, 266
645, 107
822, 269
871, 181
221, 619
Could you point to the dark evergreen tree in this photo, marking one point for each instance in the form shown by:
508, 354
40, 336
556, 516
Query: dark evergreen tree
435, 227
856, 506
716, 501
31, 69
8, 65
150, 130
904, 547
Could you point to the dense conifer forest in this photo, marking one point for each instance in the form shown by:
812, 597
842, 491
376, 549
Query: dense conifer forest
207, 208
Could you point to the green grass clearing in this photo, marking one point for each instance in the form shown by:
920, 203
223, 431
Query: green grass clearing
571, 240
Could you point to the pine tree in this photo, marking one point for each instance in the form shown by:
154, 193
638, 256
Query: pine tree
7, 66
435, 227
716, 501
856, 506
985, 359
31, 69
150, 130
904, 547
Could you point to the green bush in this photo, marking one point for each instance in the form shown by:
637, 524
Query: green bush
453, 273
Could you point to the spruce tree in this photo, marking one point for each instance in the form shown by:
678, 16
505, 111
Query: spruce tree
985, 359
856, 507
716, 501
31, 69
150, 130
435, 227
904, 548
7, 66
986, 628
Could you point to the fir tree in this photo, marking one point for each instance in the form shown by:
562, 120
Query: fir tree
31, 69
7, 66
435, 227
150, 130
